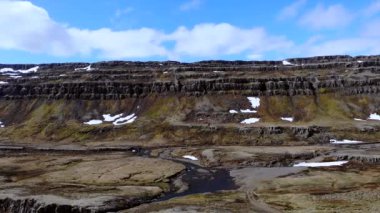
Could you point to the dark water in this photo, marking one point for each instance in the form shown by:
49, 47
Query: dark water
202, 182
198, 179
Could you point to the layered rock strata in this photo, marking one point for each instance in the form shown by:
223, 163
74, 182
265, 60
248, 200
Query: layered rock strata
120, 80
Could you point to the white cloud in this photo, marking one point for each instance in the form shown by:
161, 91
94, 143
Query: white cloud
137, 43
372, 9
350, 46
292, 10
372, 28
35, 31
329, 17
214, 39
27, 27
190, 5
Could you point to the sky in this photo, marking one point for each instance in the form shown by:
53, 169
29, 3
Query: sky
45, 31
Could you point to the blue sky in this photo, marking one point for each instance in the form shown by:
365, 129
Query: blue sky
39, 31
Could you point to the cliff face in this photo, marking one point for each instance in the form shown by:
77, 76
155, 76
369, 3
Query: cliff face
120, 80
170, 100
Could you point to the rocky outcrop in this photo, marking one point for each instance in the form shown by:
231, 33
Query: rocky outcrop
122, 79
32, 206
369, 159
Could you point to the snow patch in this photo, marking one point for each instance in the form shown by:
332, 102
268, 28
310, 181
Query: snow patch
6, 70
93, 122
232, 111
110, 118
11, 71
247, 111
250, 121
360, 62
334, 141
2, 125
255, 101
88, 68
290, 119
3, 82
374, 116
320, 164
33, 69
125, 120
190, 157
286, 63
16, 76
358, 119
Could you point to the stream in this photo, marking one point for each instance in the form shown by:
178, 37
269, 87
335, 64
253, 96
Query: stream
193, 180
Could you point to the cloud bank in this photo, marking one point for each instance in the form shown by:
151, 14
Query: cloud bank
37, 32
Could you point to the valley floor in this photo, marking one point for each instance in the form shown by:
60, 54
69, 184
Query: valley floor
104, 177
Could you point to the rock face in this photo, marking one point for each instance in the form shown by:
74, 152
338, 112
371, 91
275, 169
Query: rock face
30, 206
119, 80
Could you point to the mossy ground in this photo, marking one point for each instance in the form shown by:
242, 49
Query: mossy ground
162, 118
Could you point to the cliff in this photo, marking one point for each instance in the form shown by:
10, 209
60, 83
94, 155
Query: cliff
120, 80
171, 99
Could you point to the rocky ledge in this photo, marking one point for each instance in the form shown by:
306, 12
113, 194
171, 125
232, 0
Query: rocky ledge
123, 79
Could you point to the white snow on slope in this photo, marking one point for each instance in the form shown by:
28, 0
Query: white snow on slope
255, 101
109, 118
374, 116
6, 70
290, 119
125, 120
3, 82
334, 141
247, 111
190, 157
88, 68
358, 119
94, 122
360, 61
115, 119
286, 63
33, 69
320, 164
250, 121
2, 125
11, 71
232, 111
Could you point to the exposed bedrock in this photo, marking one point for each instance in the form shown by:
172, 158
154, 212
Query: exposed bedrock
275, 135
121, 79
120, 90
32, 206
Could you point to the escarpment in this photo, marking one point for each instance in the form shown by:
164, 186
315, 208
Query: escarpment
120, 80
302, 100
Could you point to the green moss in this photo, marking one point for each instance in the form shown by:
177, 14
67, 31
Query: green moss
322, 90
332, 106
